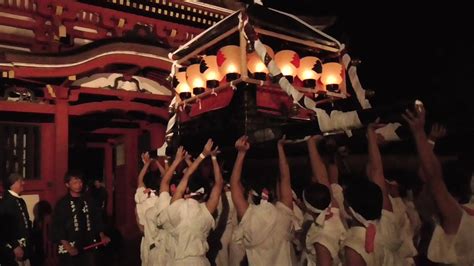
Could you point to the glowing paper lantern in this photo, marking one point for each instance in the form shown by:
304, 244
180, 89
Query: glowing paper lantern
256, 66
181, 85
288, 62
310, 70
210, 71
228, 61
195, 79
332, 76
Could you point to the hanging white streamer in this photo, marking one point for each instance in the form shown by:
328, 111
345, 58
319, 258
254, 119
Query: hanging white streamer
356, 85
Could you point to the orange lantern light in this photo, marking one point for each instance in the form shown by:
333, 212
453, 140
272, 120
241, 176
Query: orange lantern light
332, 76
210, 71
228, 61
288, 62
256, 66
310, 70
181, 85
195, 79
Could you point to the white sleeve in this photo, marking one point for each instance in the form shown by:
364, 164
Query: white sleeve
140, 196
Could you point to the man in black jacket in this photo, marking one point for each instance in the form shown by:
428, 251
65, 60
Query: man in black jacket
15, 244
77, 223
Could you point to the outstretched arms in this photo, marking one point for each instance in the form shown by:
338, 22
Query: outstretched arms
165, 181
375, 166
320, 173
216, 191
286, 196
449, 208
146, 163
236, 188
183, 184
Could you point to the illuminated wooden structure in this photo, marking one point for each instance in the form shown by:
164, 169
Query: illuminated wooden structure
89, 75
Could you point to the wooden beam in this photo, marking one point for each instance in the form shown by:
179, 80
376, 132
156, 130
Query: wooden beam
26, 107
94, 107
296, 40
207, 45
130, 95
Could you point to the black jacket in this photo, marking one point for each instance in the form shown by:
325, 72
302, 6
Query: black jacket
15, 228
76, 220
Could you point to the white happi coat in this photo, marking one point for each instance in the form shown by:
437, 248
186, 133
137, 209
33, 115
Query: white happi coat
155, 235
143, 202
387, 242
330, 235
266, 231
457, 249
188, 223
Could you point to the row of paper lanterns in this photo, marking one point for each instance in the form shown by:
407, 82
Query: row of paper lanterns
212, 69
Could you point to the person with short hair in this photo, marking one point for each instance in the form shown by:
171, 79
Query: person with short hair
189, 216
452, 239
320, 199
77, 224
265, 228
373, 238
15, 231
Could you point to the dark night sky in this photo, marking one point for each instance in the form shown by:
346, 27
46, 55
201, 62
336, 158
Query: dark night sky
407, 54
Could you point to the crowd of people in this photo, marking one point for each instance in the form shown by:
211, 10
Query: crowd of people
192, 219
192, 215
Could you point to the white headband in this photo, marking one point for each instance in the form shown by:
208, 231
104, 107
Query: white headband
263, 196
200, 191
321, 213
361, 219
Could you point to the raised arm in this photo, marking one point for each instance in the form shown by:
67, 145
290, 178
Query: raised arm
216, 191
449, 208
183, 184
320, 174
332, 167
286, 196
165, 181
188, 159
146, 163
333, 172
375, 166
236, 188
160, 168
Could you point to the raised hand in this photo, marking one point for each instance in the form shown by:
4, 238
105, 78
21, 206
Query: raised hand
146, 158
416, 121
437, 132
242, 144
188, 157
215, 151
180, 154
208, 147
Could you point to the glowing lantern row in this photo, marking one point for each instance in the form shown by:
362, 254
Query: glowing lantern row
210, 71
